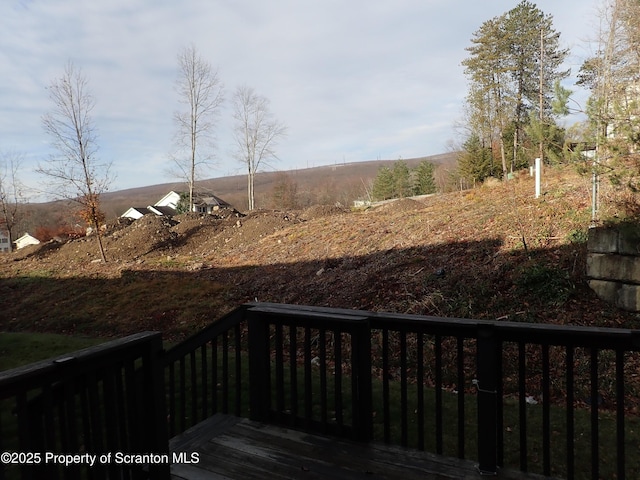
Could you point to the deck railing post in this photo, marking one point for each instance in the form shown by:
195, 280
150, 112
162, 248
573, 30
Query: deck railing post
154, 412
259, 367
487, 382
363, 404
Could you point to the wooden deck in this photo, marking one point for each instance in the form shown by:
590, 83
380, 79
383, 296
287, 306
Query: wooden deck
237, 448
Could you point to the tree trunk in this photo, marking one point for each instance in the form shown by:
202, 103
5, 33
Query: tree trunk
99, 238
250, 189
503, 156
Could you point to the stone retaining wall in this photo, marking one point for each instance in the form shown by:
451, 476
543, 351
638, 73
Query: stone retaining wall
613, 265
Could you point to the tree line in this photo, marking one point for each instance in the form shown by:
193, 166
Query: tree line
515, 97
400, 181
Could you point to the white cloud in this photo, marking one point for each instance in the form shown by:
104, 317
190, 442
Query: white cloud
353, 80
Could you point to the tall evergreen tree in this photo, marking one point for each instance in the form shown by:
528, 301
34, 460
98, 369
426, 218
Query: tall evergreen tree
513, 65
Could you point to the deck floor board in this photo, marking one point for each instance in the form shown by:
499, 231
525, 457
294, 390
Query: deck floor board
236, 448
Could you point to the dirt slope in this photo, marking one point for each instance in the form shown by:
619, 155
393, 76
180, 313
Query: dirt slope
492, 252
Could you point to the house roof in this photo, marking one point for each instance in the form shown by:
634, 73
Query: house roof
161, 210
210, 199
171, 198
25, 240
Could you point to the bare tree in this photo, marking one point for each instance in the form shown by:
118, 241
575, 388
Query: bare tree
201, 92
74, 173
11, 192
256, 133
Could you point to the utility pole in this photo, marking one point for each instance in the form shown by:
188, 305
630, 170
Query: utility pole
541, 107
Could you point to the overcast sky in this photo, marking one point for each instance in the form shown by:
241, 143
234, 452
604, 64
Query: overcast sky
352, 79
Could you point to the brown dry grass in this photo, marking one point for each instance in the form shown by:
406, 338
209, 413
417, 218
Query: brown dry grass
461, 254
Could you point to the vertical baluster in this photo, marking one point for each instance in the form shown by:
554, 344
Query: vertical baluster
323, 379
385, 386
238, 352
49, 414
122, 414
110, 414
420, 388
499, 405
620, 450
438, 412
204, 378
570, 424
293, 370
546, 418
307, 377
461, 387
522, 403
225, 372
214, 375
193, 370
132, 386
125, 434
403, 389
183, 395
172, 399
595, 456
338, 380
279, 373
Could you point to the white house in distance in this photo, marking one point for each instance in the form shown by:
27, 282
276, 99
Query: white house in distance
26, 240
168, 205
5, 245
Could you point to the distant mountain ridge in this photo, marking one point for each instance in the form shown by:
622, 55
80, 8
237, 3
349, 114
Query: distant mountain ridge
336, 178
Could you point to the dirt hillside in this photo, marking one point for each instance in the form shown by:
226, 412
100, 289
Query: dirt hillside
491, 252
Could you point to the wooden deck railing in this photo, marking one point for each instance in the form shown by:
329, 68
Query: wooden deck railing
546, 399
101, 401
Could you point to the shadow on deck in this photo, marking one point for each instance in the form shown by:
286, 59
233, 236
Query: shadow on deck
230, 447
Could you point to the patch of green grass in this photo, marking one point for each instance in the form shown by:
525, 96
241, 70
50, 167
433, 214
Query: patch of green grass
578, 236
175, 303
17, 349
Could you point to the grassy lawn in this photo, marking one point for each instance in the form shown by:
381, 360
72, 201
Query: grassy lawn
17, 349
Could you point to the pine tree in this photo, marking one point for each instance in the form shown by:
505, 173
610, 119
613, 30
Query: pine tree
401, 179
475, 162
513, 65
383, 184
424, 183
